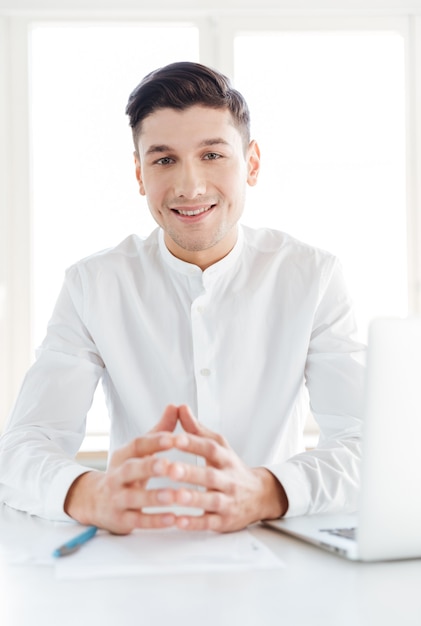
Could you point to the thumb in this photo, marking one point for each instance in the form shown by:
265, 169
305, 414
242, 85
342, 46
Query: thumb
168, 421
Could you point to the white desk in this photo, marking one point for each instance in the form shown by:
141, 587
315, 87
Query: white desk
314, 588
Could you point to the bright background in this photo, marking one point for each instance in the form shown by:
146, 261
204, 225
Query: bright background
328, 113
332, 139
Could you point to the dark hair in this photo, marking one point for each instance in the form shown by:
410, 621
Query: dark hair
182, 85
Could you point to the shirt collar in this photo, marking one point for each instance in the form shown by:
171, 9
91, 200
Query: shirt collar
189, 269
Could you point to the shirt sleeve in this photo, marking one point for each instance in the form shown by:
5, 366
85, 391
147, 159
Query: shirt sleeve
326, 479
47, 424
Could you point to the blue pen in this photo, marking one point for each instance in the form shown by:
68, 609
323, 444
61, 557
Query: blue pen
74, 544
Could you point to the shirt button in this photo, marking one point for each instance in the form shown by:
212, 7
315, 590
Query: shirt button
200, 309
205, 372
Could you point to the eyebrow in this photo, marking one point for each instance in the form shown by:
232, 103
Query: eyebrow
161, 148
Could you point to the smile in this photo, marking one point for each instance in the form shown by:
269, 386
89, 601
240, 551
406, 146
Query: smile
193, 212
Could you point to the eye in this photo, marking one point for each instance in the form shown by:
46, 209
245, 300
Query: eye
164, 161
212, 156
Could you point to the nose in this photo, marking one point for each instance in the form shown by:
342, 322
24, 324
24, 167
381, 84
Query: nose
190, 181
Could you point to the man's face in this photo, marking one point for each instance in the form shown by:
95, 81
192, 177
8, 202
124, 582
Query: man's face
193, 170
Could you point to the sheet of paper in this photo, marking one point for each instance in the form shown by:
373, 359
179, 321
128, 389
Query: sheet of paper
166, 551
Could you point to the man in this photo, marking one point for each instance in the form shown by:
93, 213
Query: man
207, 337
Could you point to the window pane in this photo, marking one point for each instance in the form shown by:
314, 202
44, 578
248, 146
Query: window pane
328, 111
85, 196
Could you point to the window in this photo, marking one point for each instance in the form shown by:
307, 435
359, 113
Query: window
85, 194
329, 113
335, 103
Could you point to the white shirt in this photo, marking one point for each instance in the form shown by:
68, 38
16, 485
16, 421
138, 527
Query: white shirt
238, 342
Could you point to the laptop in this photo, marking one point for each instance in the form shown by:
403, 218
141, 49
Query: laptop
387, 525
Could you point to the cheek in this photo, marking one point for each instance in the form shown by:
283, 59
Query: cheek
155, 197
229, 179
149, 189
235, 184
155, 186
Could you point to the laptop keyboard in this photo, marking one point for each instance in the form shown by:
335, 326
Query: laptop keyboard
346, 533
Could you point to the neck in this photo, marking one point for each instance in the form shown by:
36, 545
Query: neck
203, 258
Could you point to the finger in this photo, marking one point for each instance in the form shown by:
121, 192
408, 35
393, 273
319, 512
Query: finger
209, 521
191, 425
208, 501
135, 498
215, 453
168, 421
125, 522
201, 476
138, 470
187, 420
142, 446
154, 520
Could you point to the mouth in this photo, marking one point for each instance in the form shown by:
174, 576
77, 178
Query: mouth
193, 212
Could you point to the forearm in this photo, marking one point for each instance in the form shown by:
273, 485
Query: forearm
35, 476
44, 433
322, 480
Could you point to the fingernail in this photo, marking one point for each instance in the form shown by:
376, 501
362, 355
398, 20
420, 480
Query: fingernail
168, 520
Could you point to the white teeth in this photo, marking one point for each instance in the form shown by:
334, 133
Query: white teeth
195, 212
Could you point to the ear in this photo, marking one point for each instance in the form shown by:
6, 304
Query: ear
139, 174
253, 163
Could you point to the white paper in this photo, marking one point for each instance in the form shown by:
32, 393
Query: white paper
166, 551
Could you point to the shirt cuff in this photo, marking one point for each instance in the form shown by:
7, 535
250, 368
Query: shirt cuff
57, 492
296, 489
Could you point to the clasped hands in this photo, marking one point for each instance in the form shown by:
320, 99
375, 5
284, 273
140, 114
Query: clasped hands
232, 495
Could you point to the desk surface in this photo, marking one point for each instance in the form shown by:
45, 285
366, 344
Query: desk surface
314, 588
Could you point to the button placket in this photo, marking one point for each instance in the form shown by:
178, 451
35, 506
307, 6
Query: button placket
203, 362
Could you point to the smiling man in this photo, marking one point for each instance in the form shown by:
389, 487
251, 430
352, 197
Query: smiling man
209, 338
